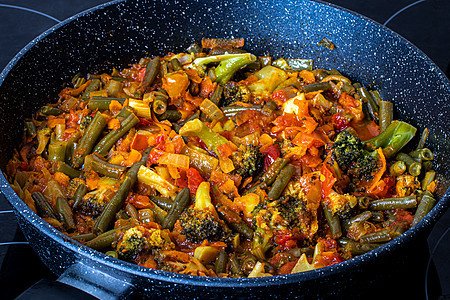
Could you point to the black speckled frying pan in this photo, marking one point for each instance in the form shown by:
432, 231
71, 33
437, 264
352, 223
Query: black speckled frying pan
119, 33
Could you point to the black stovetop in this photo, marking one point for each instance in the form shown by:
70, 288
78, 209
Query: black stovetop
425, 23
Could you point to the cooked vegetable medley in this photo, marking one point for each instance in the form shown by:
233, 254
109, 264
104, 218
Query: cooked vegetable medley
216, 162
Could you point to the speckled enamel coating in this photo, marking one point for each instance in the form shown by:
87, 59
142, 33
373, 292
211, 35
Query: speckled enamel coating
119, 33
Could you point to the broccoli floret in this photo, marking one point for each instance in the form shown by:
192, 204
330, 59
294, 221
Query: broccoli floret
287, 214
234, 92
228, 64
140, 240
94, 202
247, 160
202, 222
349, 153
199, 226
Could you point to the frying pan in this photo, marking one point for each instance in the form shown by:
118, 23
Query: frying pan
119, 33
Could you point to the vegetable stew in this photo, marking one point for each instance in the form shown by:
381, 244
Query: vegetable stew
216, 162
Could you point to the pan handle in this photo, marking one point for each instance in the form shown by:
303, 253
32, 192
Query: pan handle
80, 281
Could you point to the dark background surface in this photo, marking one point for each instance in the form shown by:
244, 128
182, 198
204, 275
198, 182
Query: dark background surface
425, 23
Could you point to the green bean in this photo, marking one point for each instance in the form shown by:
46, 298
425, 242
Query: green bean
131, 211
103, 103
427, 179
66, 169
281, 182
43, 207
194, 48
118, 78
163, 202
113, 136
426, 204
398, 168
51, 111
71, 146
363, 202
152, 70
114, 205
270, 175
386, 114
31, 128
81, 190
160, 102
373, 107
107, 238
298, 64
235, 265
377, 216
93, 131
318, 86
427, 165
413, 166
393, 203
105, 168
235, 222
397, 230
125, 113
359, 248
221, 262
217, 95
57, 151
362, 217
348, 88
376, 97
93, 86
376, 237
356, 85
84, 237
64, 210
180, 203
121, 214
343, 241
333, 222
423, 139
232, 110
423, 154
172, 116
114, 88
159, 213
320, 74
176, 64
77, 80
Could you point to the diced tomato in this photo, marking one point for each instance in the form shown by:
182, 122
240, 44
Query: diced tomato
194, 180
339, 122
153, 157
182, 181
284, 239
272, 153
279, 96
329, 258
140, 142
